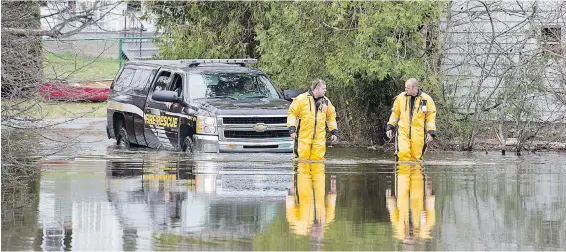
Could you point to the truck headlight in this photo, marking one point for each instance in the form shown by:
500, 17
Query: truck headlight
206, 125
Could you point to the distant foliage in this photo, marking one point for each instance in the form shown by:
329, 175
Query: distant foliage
365, 50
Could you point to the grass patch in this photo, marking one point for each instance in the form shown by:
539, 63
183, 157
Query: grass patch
53, 110
74, 109
70, 67
77, 67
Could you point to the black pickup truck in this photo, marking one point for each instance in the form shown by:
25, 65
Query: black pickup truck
214, 105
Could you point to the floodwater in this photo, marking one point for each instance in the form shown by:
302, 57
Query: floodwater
100, 197
357, 200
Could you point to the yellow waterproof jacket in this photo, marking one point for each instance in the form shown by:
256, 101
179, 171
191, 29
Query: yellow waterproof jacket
413, 123
311, 121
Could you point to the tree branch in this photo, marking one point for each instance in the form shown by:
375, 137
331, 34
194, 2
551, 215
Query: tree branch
494, 106
29, 32
85, 17
336, 28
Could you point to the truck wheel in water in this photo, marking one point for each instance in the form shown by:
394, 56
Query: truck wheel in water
123, 138
188, 144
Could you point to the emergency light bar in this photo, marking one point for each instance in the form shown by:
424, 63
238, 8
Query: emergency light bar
196, 62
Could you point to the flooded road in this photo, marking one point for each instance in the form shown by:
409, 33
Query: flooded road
105, 198
357, 200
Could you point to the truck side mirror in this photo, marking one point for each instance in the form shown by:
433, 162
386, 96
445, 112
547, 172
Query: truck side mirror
290, 94
166, 96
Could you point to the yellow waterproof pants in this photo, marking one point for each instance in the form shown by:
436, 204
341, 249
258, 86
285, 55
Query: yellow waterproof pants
410, 149
312, 151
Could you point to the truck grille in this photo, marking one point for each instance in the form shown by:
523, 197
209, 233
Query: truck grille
254, 120
253, 134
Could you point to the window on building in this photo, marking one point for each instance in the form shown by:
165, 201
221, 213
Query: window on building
72, 5
551, 38
133, 6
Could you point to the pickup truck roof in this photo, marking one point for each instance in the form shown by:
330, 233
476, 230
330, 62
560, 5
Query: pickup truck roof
203, 67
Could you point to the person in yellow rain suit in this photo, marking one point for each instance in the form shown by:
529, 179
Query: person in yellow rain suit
412, 213
308, 211
308, 116
415, 114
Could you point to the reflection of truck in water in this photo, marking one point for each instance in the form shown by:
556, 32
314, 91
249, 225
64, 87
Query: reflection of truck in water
160, 198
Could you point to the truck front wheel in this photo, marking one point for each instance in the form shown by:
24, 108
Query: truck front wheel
188, 145
123, 139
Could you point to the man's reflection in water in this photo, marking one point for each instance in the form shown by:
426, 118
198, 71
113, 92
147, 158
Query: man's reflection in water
308, 210
412, 212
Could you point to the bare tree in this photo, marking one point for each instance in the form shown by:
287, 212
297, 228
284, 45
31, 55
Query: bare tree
22, 34
495, 66
64, 18
24, 26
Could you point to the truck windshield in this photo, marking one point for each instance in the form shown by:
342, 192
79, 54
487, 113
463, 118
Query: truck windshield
238, 86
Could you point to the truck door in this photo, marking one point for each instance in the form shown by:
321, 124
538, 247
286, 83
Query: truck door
139, 89
161, 118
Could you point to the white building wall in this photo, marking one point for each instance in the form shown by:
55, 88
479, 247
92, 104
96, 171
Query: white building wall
490, 52
114, 16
